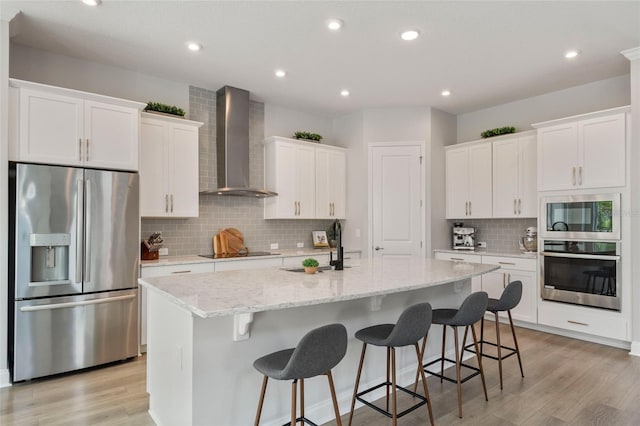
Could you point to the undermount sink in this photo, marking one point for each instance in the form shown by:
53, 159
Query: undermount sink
320, 268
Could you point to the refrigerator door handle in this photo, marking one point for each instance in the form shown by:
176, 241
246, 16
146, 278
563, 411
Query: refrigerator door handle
79, 229
74, 304
87, 257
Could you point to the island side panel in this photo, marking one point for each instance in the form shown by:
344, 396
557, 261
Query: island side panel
226, 387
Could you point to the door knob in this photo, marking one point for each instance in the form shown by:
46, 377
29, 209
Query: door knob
378, 248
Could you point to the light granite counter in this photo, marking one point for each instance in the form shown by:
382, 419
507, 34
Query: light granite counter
199, 370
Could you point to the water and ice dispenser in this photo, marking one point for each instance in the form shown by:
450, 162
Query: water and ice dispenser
49, 258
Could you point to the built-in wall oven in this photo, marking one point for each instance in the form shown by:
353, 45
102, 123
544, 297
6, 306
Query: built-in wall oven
580, 256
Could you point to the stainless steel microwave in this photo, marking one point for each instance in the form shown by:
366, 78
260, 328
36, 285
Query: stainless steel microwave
581, 217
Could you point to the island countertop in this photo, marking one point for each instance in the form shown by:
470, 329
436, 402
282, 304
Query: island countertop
235, 292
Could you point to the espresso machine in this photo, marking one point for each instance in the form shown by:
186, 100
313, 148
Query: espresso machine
464, 237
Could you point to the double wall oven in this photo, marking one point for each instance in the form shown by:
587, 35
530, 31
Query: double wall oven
580, 256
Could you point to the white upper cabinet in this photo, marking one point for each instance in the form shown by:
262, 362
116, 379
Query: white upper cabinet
331, 167
514, 176
309, 179
60, 126
588, 151
468, 181
169, 178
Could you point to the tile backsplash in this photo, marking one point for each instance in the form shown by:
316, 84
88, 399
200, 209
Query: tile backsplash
193, 235
499, 234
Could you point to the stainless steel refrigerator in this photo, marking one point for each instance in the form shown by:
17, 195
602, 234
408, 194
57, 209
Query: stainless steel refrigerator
73, 257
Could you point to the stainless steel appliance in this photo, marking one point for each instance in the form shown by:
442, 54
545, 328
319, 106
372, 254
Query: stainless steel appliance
464, 237
581, 272
73, 268
584, 217
529, 242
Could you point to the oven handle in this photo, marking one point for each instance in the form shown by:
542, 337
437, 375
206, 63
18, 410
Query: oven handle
580, 256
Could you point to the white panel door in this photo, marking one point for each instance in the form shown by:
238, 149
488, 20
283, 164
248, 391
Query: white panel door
111, 136
505, 178
183, 185
51, 128
154, 169
557, 157
396, 200
602, 152
480, 204
457, 183
527, 177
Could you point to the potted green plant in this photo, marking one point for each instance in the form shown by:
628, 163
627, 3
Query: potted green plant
314, 137
310, 265
164, 109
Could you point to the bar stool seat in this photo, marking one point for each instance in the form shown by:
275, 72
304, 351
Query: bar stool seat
319, 351
413, 325
471, 311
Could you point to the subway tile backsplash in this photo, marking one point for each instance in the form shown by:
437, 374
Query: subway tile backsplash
193, 235
499, 234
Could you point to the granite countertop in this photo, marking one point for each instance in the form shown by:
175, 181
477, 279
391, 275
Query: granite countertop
185, 260
235, 292
491, 252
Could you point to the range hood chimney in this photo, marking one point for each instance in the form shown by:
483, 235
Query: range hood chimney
232, 145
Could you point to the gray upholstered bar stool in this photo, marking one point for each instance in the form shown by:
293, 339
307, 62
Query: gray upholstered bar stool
413, 325
471, 311
317, 353
509, 299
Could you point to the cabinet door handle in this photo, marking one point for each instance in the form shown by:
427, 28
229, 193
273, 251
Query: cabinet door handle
519, 206
166, 203
515, 203
87, 149
469, 208
573, 176
580, 175
466, 208
295, 208
181, 272
80, 149
504, 278
578, 323
171, 203
457, 258
506, 263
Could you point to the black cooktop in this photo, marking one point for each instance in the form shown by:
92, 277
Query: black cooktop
233, 255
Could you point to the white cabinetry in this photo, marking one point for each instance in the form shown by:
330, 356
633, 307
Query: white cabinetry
582, 152
61, 126
513, 269
309, 180
598, 322
331, 169
468, 181
168, 167
514, 176
476, 282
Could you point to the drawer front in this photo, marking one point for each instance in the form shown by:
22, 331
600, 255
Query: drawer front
236, 265
296, 261
460, 257
510, 262
584, 320
189, 268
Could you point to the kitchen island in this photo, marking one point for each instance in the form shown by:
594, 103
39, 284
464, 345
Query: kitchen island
205, 331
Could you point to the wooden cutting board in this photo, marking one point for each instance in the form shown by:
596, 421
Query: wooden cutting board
234, 240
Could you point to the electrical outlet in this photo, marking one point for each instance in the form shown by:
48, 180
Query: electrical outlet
163, 252
274, 246
300, 245
482, 244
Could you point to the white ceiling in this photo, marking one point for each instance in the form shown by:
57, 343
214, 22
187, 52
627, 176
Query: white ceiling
486, 53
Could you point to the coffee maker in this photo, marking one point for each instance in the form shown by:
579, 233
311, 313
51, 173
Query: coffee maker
464, 237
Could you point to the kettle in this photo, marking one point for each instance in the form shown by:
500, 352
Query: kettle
530, 240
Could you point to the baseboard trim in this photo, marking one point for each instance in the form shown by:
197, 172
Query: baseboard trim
5, 382
635, 349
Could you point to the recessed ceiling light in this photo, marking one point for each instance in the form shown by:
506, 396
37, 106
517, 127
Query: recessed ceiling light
446, 93
193, 46
334, 24
344, 93
571, 54
280, 73
92, 2
410, 35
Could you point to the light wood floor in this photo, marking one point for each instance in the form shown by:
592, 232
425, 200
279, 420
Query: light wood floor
567, 382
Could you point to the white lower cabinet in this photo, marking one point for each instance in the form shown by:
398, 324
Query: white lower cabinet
597, 322
476, 282
244, 264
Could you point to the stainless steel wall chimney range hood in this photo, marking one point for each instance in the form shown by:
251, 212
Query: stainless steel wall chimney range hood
232, 145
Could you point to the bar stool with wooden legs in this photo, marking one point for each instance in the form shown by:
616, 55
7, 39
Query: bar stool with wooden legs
317, 353
470, 312
509, 299
412, 326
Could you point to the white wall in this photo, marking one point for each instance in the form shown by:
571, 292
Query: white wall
58, 70
281, 121
443, 133
396, 124
582, 99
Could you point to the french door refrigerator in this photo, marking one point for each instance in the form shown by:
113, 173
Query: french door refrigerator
73, 256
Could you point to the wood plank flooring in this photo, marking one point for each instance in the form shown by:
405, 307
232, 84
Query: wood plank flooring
567, 382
